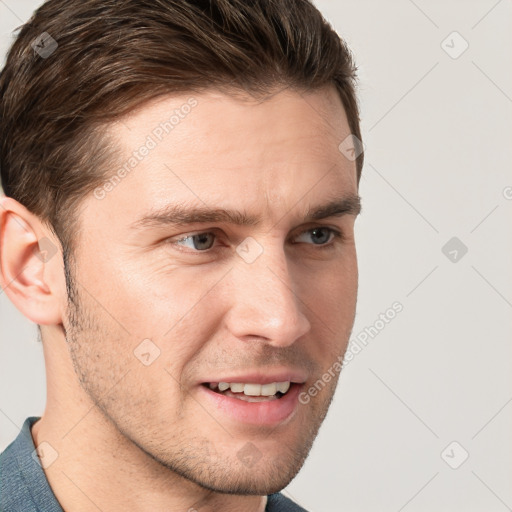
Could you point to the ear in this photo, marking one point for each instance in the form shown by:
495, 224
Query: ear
31, 267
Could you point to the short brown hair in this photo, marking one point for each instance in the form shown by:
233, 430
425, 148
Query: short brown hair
112, 56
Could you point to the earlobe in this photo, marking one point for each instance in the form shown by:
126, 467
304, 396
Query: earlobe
27, 254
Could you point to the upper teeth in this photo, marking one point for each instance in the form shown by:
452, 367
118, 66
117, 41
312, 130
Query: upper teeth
253, 389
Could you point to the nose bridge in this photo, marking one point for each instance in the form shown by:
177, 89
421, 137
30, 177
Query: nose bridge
263, 301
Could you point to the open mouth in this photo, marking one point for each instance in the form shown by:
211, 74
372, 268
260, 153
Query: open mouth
255, 403
252, 392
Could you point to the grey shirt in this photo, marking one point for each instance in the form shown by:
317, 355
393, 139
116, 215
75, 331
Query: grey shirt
24, 487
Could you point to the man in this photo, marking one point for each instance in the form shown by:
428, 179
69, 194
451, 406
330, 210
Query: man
181, 186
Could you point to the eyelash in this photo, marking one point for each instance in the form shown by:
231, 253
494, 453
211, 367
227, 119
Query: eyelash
337, 235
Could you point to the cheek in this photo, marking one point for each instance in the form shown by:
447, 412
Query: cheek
150, 307
150, 297
176, 308
332, 291
331, 299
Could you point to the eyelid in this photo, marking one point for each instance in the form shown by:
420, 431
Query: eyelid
336, 232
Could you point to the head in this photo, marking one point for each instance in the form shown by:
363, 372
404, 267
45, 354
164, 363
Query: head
180, 212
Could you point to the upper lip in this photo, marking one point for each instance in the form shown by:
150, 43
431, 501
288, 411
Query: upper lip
261, 377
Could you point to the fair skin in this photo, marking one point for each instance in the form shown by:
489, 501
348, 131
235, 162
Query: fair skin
131, 436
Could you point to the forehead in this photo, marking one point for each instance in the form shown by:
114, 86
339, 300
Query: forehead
213, 148
231, 127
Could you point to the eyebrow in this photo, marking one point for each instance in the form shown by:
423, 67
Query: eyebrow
182, 214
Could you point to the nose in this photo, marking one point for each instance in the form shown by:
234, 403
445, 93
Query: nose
263, 301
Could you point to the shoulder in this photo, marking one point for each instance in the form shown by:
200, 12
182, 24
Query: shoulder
23, 484
279, 503
14, 493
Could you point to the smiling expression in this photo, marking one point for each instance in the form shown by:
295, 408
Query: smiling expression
216, 281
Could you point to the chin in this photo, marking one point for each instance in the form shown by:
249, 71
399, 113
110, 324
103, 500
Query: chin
257, 483
262, 477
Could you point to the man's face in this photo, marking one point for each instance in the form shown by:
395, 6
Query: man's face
165, 311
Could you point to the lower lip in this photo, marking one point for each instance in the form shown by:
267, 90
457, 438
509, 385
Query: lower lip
257, 413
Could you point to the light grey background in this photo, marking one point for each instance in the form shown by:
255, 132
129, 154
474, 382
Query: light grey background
438, 141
